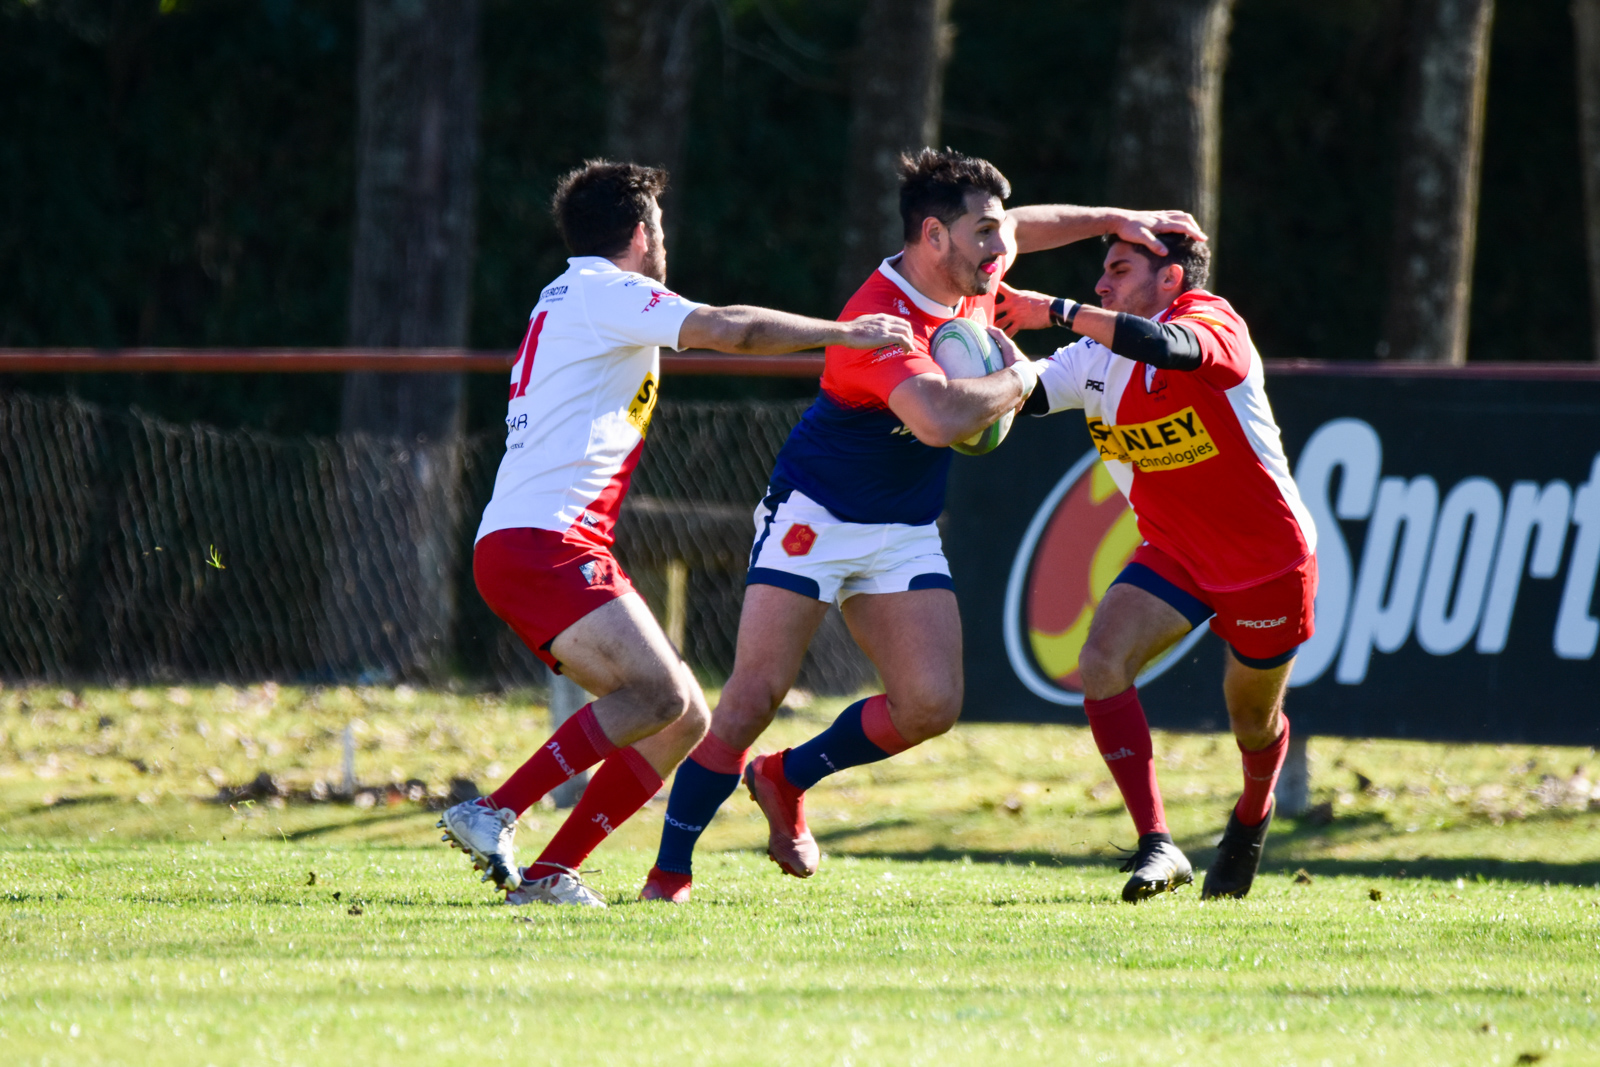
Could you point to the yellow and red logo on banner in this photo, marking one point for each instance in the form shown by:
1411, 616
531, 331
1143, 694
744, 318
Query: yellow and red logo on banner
1078, 542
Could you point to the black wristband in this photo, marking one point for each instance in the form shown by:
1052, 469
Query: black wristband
1063, 312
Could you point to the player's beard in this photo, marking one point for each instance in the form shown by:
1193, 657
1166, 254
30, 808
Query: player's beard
965, 275
1143, 300
655, 259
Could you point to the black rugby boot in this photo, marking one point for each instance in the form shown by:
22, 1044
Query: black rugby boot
1158, 866
1238, 856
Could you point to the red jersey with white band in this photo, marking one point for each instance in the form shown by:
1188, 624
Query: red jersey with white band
583, 389
1197, 453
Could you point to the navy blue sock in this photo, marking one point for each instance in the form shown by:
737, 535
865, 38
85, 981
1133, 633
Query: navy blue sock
697, 793
843, 744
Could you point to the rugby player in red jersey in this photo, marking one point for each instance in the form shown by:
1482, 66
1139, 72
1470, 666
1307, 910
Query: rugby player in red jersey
583, 388
1171, 386
849, 513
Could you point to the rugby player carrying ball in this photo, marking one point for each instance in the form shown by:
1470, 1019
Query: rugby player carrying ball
1172, 390
849, 513
582, 391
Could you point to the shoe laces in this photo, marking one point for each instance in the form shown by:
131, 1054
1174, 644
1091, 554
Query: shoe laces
1134, 858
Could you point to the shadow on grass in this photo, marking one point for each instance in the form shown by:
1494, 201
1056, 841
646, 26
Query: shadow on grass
351, 824
1443, 870
1201, 851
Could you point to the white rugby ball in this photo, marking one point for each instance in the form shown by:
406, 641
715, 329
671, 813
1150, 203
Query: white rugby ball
963, 349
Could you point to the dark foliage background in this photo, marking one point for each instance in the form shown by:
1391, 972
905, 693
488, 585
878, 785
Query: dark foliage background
180, 172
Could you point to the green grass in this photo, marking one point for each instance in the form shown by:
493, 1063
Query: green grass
966, 911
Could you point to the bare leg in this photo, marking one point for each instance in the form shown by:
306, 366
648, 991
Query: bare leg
1255, 702
641, 684
775, 626
914, 639
1130, 628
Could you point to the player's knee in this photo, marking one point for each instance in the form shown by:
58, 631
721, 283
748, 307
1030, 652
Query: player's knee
750, 702
670, 697
1104, 670
926, 712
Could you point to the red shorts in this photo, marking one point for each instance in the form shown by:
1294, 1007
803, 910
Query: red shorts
541, 584
1265, 624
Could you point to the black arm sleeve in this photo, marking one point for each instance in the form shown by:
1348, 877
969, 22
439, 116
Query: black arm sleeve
1037, 403
1169, 345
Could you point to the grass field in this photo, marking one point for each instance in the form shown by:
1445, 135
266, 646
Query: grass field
967, 909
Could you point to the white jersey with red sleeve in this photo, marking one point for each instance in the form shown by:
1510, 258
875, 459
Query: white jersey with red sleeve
1197, 453
583, 389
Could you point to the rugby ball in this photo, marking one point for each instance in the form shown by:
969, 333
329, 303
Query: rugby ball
963, 349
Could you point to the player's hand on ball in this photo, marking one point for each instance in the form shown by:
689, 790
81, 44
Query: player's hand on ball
876, 331
1141, 227
1020, 309
1025, 369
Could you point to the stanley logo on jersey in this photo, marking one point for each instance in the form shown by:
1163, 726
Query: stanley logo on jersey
643, 404
1179, 440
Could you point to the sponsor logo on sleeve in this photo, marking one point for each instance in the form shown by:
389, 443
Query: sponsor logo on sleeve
643, 404
656, 296
1179, 440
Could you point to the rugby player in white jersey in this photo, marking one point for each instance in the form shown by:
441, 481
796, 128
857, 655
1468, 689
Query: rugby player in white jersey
583, 388
849, 513
1172, 389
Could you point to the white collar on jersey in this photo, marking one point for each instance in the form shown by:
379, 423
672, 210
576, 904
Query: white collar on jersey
932, 307
595, 263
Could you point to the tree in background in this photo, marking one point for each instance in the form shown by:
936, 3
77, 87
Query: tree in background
416, 154
1436, 200
649, 78
1586, 23
896, 87
1166, 138
416, 157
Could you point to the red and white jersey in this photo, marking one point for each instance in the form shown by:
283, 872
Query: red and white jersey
1197, 453
583, 389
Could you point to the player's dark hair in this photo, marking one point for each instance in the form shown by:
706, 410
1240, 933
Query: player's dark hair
597, 205
935, 184
1192, 255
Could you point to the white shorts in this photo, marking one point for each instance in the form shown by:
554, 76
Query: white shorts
801, 547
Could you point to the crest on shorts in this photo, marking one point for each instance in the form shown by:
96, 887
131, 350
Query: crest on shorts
799, 539
1078, 542
594, 572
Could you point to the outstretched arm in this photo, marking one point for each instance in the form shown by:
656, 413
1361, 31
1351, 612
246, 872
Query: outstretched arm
1168, 345
761, 331
1044, 226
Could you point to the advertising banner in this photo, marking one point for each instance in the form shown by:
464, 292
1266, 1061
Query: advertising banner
1458, 519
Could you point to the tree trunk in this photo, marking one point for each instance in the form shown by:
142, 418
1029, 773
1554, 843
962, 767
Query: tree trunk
416, 153
897, 86
1436, 202
649, 79
1166, 148
1586, 23
416, 156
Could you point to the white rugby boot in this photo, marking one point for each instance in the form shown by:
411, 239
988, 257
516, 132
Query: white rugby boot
562, 887
485, 834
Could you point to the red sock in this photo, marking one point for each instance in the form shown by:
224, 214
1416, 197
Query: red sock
619, 788
1123, 736
1260, 776
715, 754
577, 745
879, 728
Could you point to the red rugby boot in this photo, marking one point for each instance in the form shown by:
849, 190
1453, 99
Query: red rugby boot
669, 886
789, 841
